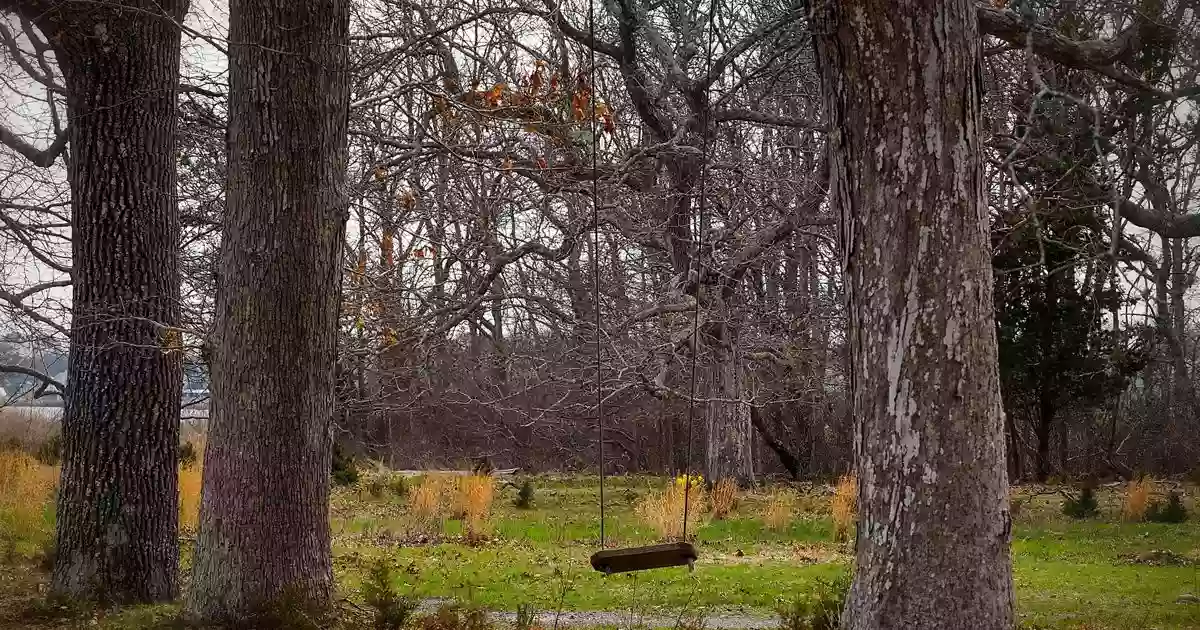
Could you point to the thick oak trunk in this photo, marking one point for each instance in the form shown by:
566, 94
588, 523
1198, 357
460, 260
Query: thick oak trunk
117, 508
264, 530
901, 88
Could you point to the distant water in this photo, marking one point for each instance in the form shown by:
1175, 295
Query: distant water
55, 412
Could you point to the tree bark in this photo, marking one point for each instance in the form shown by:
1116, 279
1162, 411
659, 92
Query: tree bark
727, 418
117, 507
901, 87
264, 531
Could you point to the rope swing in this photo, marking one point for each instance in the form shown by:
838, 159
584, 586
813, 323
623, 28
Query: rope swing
680, 553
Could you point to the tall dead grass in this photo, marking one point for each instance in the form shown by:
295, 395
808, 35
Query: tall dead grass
1136, 501
190, 481
26, 495
664, 510
844, 507
779, 510
27, 427
474, 503
441, 496
724, 498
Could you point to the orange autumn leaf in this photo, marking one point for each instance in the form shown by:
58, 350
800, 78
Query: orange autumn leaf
386, 245
535, 79
495, 94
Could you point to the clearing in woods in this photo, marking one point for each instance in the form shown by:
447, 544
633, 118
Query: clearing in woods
1094, 573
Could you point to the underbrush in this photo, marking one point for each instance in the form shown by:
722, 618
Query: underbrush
27, 489
665, 510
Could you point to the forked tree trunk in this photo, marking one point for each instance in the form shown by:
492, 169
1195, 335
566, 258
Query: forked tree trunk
900, 80
117, 508
264, 530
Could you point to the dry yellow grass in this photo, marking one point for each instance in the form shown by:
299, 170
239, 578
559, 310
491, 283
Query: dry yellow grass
425, 501
190, 480
474, 502
844, 507
664, 510
26, 491
779, 510
1137, 499
724, 498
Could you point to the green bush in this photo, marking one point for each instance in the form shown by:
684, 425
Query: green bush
391, 609
524, 496
1170, 512
822, 610
345, 468
1083, 506
398, 486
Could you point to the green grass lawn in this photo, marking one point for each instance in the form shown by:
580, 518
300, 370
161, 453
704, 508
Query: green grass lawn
1068, 573
1097, 573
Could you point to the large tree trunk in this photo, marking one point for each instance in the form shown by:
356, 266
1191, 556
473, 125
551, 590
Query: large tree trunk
901, 88
264, 530
117, 523
727, 417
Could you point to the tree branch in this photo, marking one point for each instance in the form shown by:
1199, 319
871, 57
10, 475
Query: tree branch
747, 115
1099, 55
47, 381
36, 156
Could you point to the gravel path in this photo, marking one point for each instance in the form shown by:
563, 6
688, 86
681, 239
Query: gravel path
591, 619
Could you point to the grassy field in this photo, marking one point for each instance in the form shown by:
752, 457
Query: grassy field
477, 547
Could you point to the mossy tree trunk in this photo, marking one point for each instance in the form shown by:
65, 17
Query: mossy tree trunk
264, 530
117, 507
901, 87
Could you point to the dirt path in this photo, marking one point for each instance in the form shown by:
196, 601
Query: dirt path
625, 619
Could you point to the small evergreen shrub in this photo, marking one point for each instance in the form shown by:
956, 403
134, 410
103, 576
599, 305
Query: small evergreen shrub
524, 496
1170, 512
398, 486
821, 610
345, 468
392, 611
1083, 506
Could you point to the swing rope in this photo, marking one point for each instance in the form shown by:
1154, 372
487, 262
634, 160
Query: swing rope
705, 120
596, 254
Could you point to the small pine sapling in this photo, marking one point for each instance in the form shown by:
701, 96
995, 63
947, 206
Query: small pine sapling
1172, 511
524, 499
1083, 506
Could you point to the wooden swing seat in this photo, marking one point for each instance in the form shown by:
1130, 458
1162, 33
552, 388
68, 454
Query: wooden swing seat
643, 558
